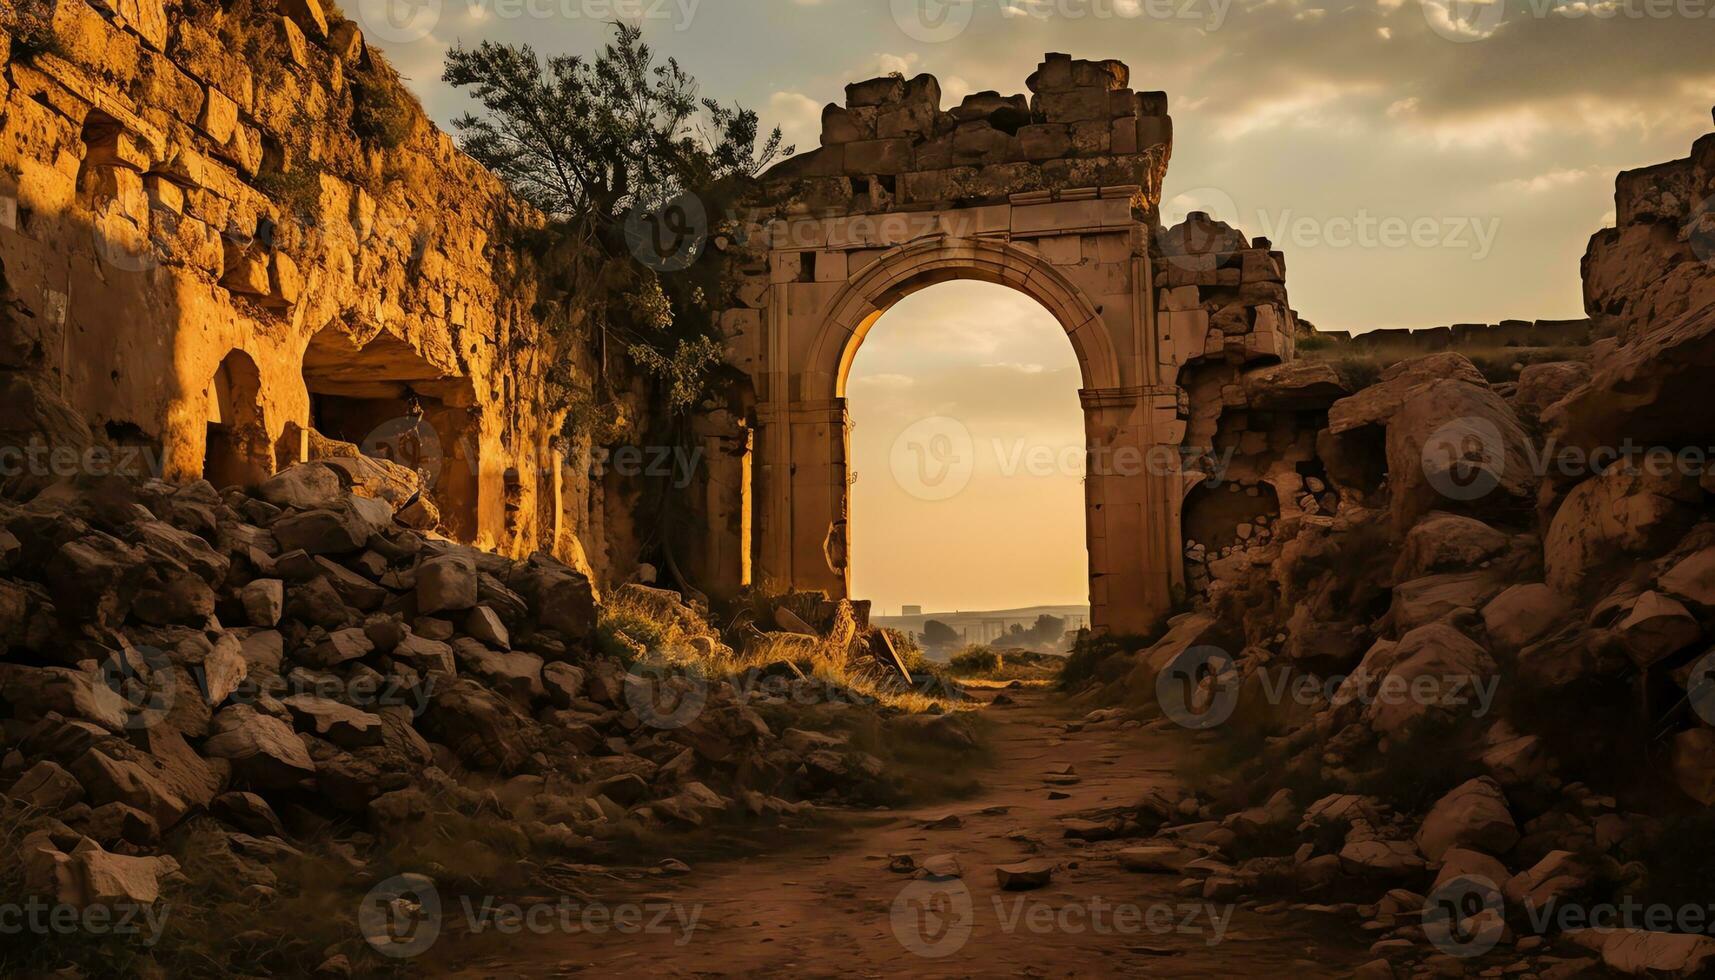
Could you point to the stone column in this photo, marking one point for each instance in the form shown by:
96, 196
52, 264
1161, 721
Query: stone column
802, 479
1132, 468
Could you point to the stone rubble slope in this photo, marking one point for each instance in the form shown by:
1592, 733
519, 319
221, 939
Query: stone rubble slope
1482, 674
296, 664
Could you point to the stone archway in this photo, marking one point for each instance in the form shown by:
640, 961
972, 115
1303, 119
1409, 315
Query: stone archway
236, 448
387, 399
1056, 195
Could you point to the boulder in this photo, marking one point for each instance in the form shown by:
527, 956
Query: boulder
327, 531
1474, 815
47, 786
446, 582
1432, 676
1424, 600
1657, 627
1458, 446
485, 625
1541, 385
117, 879
1641, 953
1303, 385
1381, 858
481, 727
264, 601
1024, 875
306, 486
264, 751
1558, 876
517, 675
1523, 614
1478, 868
1448, 543
1378, 403
341, 724
1692, 579
33, 692
563, 598
1608, 520
110, 780
1693, 762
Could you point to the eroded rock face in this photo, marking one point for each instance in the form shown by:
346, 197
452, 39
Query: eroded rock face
1624, 512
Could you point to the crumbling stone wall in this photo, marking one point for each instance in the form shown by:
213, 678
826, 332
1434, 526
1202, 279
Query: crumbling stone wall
186, 183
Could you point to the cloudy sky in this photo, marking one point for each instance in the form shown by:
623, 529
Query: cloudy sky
1421, 162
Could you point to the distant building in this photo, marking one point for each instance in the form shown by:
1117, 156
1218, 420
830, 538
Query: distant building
911, 611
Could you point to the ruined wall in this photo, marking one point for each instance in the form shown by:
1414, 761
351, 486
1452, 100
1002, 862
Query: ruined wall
191, 186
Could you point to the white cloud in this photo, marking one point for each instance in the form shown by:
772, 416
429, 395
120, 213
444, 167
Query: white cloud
799, 118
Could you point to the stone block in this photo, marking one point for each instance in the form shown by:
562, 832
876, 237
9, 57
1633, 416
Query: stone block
876, 91
219, 117
1077, 105
308, 15
913, 119
1090, 138
978, 142
878, 157
1122, 136
840, 125
1045, 141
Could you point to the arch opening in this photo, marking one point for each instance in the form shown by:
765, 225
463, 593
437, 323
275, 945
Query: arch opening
235, 446
967, 446
390, 402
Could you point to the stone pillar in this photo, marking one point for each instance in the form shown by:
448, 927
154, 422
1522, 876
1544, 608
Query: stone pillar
1132, 468
804, 495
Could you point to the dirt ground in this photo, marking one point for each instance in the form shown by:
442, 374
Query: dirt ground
831, 906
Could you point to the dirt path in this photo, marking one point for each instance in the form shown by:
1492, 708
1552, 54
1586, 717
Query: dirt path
837, 910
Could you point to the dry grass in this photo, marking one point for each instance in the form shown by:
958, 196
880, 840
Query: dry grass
631, 629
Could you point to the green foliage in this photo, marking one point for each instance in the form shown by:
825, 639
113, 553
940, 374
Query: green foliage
976, 659
602, 145
1091, 650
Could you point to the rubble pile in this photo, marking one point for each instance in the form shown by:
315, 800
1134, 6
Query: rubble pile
295, 664
1468, 704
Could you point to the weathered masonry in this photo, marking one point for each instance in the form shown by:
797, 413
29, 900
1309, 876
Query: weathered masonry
1055, 195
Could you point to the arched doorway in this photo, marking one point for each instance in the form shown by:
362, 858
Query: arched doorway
235, 449
389, 401
1130, 489
968, 454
